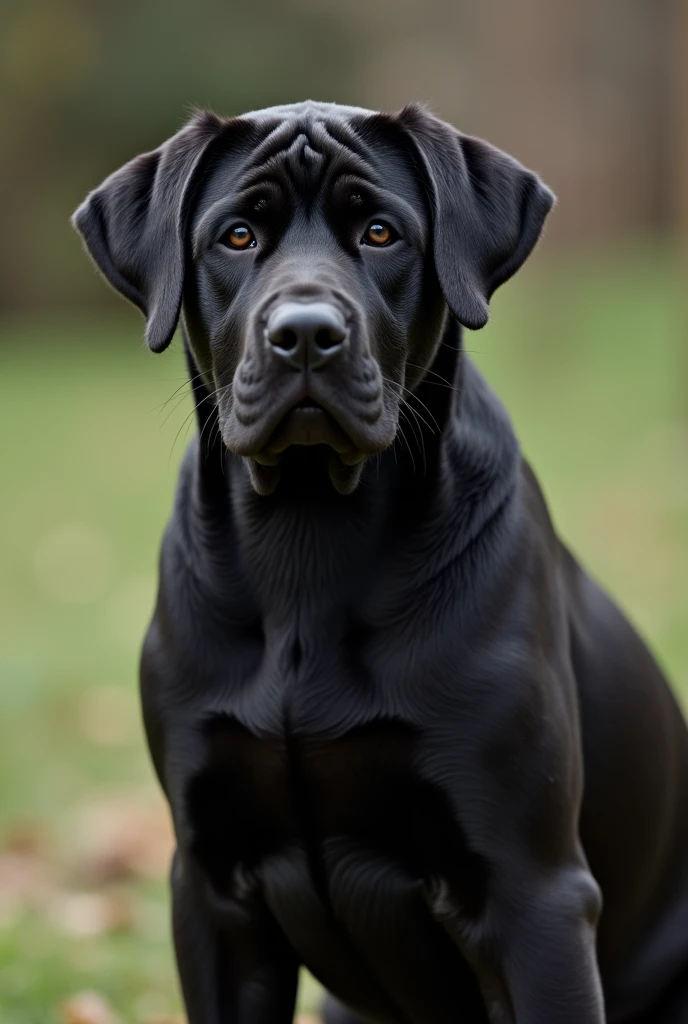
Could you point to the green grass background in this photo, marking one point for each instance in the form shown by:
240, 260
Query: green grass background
590, 357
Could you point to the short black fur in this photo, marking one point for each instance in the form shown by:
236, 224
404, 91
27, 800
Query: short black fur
406, 741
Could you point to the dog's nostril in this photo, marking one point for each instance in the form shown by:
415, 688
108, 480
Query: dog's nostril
288, 339
328, 337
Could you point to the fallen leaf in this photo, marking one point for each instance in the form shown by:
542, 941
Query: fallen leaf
25, 837
163, 1018
123, 838
87, 914
25, 882
87, 1008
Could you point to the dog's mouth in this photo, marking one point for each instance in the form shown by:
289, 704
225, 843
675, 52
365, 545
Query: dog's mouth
308, 424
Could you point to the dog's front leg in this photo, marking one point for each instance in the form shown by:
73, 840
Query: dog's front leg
512, 777
234, 965
533, 951
545, 927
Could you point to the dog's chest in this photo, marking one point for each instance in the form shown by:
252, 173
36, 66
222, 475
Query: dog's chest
343, 839
316, 747
258, 795
313, 792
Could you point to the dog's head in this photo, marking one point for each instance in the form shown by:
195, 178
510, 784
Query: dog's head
315, 250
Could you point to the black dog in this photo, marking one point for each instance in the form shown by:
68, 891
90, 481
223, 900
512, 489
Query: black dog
406, 741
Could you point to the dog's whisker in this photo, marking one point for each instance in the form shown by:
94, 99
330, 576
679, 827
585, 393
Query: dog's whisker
215, 434
441, 381
184, 422
205, 426
196, 407
415, 398
437, 384
404, 401
187, 380
417, 431
173, 410
417, 416
408, 446
395, 383
407, 419
180, 401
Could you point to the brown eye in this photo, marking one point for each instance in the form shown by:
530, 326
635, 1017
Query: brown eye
377, 233
239, 237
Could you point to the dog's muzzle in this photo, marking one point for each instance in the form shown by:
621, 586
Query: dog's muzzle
306, 337
307, 379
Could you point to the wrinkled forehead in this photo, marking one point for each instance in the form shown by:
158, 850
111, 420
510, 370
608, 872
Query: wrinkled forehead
305, 149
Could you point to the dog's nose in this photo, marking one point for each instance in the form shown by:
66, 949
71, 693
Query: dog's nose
306, 334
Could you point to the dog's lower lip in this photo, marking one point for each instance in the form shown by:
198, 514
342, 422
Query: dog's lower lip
308, 424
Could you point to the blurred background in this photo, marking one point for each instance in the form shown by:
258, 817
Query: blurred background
588, 347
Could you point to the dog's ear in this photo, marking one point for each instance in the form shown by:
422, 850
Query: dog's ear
487, 211
134, 225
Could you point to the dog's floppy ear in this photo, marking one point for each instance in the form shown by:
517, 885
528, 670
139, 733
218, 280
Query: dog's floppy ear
487, 211
134, 225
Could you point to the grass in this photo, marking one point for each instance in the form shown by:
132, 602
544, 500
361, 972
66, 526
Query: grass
590, 358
